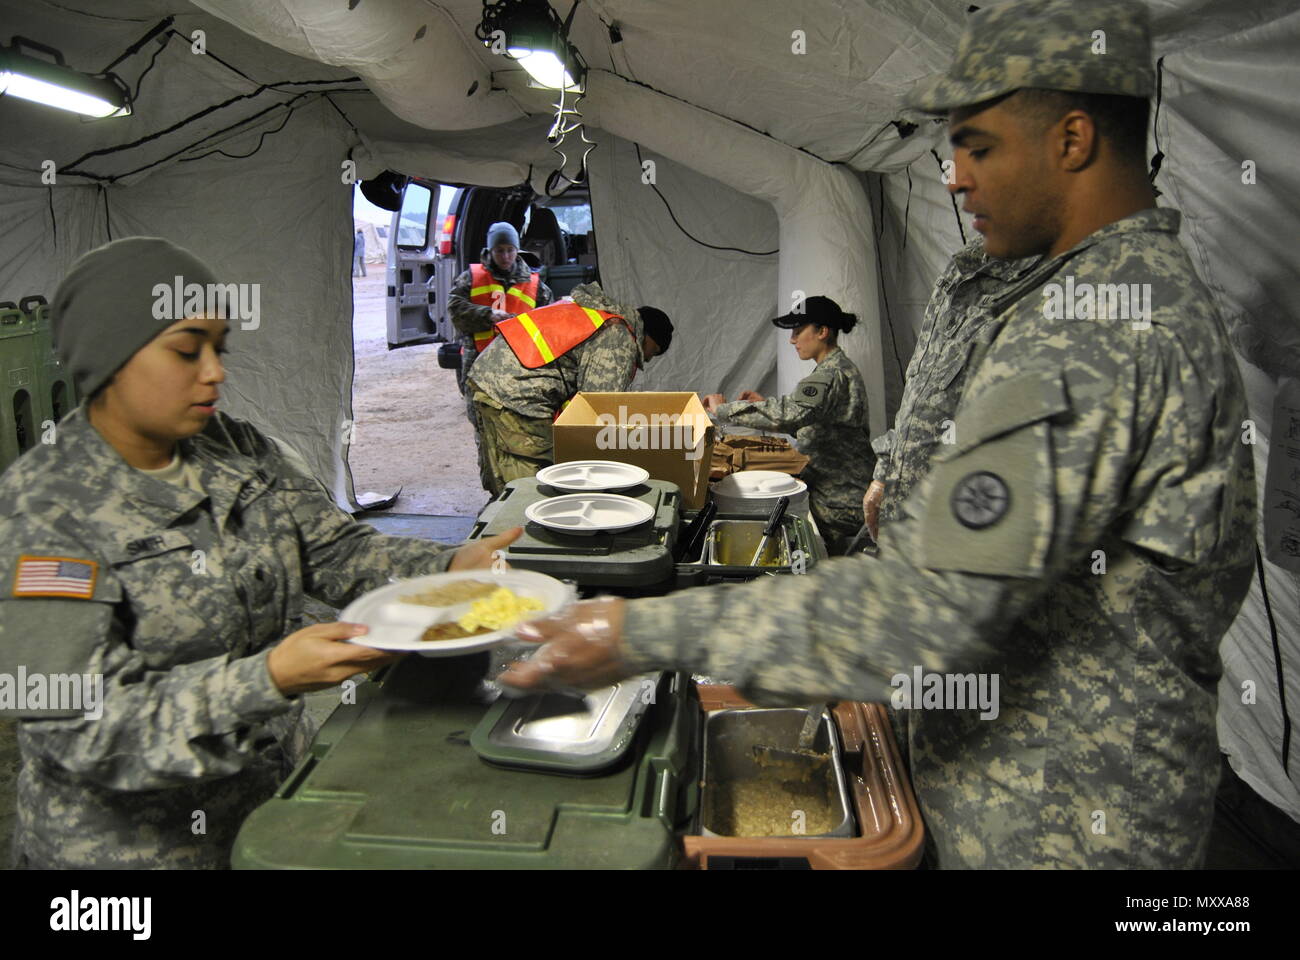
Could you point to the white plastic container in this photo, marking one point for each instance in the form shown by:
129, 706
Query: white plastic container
753, 493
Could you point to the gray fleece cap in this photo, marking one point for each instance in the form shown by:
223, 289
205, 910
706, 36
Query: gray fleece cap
502, 233
111, 304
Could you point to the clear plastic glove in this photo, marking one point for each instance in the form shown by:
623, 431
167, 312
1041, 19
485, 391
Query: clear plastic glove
871, 507
753, 396
479, 554
581, 648
712, 401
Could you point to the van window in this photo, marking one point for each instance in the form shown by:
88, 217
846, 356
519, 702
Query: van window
413, 222
573, 217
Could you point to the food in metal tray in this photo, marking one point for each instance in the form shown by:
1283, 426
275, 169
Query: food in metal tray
457, 592
765, 807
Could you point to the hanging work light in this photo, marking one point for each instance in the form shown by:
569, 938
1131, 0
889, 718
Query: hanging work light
58, 85
534, 35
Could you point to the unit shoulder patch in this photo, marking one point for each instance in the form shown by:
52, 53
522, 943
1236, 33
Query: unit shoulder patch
980, 499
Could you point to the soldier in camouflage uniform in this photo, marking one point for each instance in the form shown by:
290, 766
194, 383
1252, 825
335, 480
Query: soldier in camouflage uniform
181, 585
501, 259
1087, 538
954, 335
827, 411
517, 405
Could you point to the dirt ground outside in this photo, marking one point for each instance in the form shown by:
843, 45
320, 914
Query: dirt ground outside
411, 429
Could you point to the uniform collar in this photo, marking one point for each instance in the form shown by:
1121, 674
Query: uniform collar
225, 474
1150, 220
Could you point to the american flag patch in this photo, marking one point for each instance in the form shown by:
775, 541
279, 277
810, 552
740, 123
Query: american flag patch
55, 577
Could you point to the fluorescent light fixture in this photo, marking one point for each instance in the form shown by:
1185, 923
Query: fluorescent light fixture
57, 85
544, 67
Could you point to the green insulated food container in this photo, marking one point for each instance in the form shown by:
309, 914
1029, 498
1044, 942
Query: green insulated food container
393, 781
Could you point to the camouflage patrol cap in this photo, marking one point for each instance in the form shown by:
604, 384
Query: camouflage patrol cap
1084, 46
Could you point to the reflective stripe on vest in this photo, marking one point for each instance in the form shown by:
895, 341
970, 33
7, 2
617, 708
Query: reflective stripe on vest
539, 336
486, 291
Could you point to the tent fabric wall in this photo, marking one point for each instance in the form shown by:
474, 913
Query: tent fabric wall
279, 217
283, 223
1223, 104
720, 301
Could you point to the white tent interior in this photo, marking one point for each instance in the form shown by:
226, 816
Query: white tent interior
772, 128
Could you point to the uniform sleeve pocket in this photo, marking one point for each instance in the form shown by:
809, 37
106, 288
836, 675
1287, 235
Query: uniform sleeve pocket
988, 505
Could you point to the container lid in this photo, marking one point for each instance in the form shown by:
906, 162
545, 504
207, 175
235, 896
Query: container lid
759, 484
560, 732
638, 557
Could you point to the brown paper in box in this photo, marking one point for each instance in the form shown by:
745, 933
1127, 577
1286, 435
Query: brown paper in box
668, 434
732, 454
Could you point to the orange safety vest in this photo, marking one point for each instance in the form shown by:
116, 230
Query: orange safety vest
486, 291
539, 336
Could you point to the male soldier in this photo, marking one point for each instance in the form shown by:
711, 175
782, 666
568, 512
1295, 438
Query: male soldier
543, 357
954, 335
496, 289
1085, 541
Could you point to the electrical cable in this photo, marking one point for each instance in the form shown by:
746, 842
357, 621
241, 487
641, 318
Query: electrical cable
1277, 659
152, 60
54, 223
907, 210
1158, 158
951, 196
880, 271
260, 140
108, 217
711, 246
71, 167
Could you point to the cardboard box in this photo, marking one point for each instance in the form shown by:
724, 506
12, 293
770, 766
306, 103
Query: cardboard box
668, 434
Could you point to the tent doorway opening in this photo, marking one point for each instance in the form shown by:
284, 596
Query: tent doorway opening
410, 429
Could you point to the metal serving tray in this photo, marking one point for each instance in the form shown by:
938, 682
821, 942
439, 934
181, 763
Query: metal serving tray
729, 739
731, 543
562, 733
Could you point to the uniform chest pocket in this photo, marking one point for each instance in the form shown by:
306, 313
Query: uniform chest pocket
176, 600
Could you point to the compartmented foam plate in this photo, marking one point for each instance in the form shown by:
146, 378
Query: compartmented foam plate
398, 625
586, 514
592, 475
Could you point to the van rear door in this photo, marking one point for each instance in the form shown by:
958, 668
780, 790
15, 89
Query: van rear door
416, 306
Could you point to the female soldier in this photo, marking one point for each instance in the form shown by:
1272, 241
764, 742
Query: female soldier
158, 552
827, 412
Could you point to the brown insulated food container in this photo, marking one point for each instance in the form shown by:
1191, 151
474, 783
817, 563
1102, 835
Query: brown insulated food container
889, 821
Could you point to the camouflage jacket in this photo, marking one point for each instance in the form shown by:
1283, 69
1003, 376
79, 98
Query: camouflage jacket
954, 335
470, 318
1086, 541
827, 412
605, 362
190, 717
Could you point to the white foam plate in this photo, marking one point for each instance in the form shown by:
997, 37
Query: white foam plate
586, 514
759, 483
592, 475
397, 626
